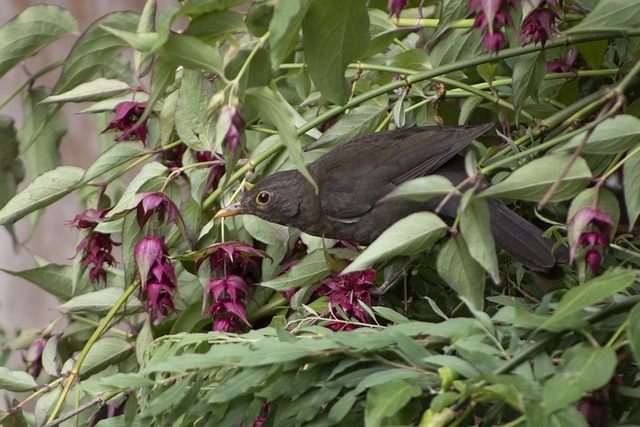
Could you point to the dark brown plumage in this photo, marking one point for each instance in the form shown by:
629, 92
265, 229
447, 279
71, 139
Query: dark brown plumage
353, 179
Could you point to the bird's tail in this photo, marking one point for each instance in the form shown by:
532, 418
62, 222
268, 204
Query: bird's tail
523, 240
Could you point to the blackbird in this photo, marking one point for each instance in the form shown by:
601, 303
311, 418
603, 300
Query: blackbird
353, 179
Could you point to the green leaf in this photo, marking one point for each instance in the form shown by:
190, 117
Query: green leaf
336, 33
200, 7
272, 110
634, 330
52, 278
359, 121
531, 181
461, 272
93, 50
17, 381
593, 52
11, 169
98, 302
215, 25
25, 34
188, 51
528, 72
95, 90
475, 225
117, 155
610, 15
631, 171
591, 293
46, 189
411, 235
457, 45
119, 381
612, 136
422, 189
385, 400
105, 352
451, 12
583, 369
194, 126
309, 270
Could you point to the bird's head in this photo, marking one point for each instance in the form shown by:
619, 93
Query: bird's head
276, 198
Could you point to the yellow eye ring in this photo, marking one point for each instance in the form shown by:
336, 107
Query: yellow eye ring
263, 198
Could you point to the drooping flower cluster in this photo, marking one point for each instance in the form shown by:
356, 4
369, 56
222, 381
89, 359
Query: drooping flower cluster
230, 118
217, 169
345, 296
226, 294
159, 203
591, 233
156, 275
536, 26
569, 62
127, 115
396, 6
172, 158
493, 16
32, 357
96, 247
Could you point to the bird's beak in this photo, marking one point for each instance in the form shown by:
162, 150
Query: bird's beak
231, 210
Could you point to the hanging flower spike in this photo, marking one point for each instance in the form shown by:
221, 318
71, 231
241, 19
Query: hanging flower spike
127, 115
396, 6
156, 275
148, 203
493, 15
238, 257
592, 230
95, 246
231, 119
537, 27
347, 292
217, 169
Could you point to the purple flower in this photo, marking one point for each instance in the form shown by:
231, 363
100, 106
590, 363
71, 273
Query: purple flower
396, 6
594, 411
95, 247
537, 26
156, 274
236, 257
160, 203
127, 115
172, 158
591, 230
33, 357
232, 287
568, 63
231, 119
217, 169
346, 293
493, 15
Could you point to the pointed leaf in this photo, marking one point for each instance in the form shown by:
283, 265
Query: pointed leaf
94, 90
422, 189
612, 136
41, 192
17, 381
461, 272
411, 235
285, 28
311, 269
336, 33
385, 400
272, 110
631, 171
25, 34
610, 15
475, 225
531, 181
93, 50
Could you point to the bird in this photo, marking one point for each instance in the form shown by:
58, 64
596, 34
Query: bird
353, 179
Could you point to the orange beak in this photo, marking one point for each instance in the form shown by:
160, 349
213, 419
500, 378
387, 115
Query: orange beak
231, 210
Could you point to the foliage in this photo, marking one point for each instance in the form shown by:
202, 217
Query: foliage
240, 322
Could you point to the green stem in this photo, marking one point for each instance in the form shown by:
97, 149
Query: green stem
275, 302
104, 324
30, 80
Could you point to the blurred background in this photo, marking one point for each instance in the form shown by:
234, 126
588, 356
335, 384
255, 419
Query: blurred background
23, 305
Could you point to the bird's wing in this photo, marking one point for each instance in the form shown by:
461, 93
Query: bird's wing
354, 177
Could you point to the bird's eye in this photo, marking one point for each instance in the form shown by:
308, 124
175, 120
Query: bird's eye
263, 198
